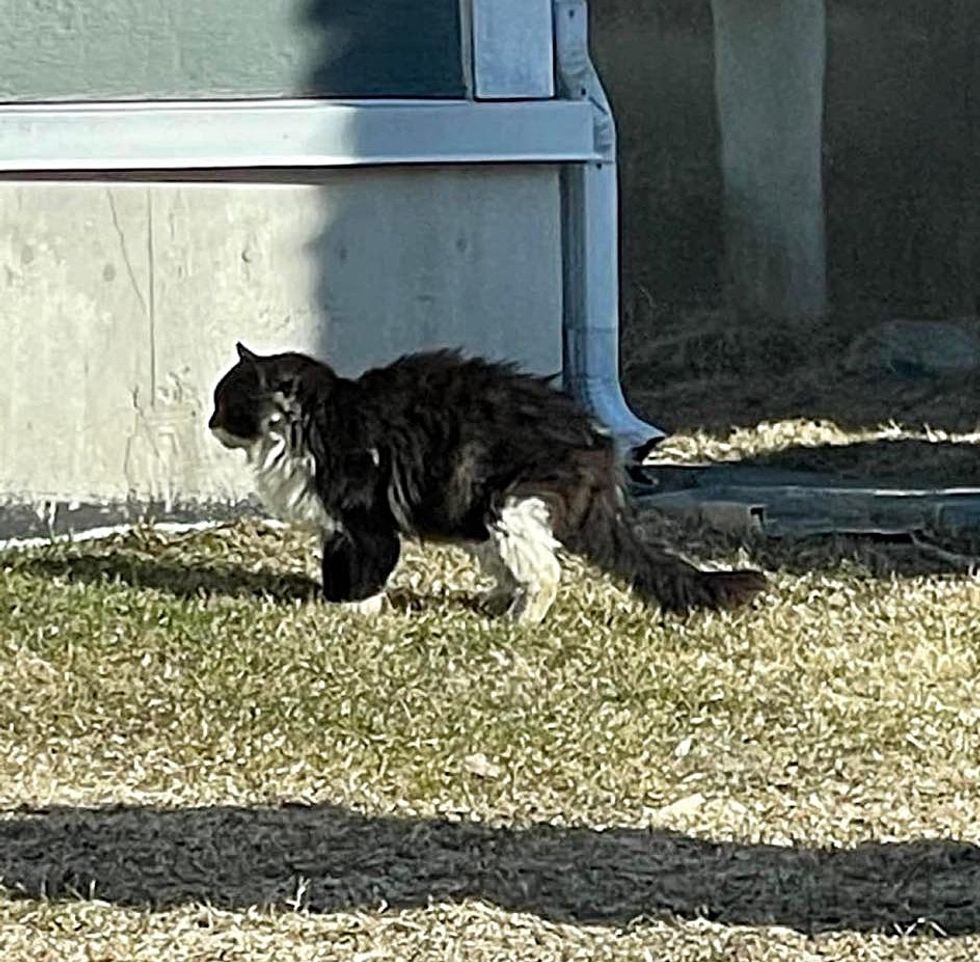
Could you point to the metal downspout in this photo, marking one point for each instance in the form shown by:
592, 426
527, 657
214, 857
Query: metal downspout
590, 245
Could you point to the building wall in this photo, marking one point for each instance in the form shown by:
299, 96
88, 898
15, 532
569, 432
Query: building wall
902, 157
901, 154
122, 303
656, 61
181, 49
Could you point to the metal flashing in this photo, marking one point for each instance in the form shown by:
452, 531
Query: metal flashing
283, 133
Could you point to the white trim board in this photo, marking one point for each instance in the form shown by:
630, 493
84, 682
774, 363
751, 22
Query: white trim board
284, 133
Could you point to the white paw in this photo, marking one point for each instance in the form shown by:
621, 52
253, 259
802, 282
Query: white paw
530, 607
368, 607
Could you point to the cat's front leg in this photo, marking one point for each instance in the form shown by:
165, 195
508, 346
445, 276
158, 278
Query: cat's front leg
314, 570
356, 563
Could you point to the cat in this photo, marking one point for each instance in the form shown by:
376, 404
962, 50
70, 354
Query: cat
447, 448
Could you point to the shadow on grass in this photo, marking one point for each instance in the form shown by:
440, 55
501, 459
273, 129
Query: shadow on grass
193, 580
874, 557
189, 580
895, 509
906, 462
328, 859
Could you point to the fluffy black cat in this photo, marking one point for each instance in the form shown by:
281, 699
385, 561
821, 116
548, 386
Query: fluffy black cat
446, 448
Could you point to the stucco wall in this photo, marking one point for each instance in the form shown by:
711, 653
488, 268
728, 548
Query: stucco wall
122, 303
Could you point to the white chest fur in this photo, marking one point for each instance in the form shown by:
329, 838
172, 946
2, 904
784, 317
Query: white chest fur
285, 480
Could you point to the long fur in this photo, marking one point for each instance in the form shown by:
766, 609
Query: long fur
464, 450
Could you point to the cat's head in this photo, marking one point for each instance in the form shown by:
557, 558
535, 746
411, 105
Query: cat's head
257, 395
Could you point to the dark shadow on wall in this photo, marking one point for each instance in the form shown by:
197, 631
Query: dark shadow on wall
384, 48
417, 256
234, 858
901, 153
902, 158
657, 64
902, 185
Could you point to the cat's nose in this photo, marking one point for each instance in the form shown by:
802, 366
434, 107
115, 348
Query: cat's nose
213, 421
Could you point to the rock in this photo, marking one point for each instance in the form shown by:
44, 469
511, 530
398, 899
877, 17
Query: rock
687, 805
918, 348
478, 764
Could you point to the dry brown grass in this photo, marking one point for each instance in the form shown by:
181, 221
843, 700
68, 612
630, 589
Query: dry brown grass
798, 395
198, 760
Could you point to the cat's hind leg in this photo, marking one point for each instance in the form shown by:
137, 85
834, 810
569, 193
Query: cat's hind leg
522, 540
498, 599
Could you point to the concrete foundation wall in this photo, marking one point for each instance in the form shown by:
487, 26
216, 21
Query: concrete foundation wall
122, 302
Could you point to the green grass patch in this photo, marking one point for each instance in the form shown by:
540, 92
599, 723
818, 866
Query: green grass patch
199, 759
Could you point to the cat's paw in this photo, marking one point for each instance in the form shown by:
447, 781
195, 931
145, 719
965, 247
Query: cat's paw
531, 607
521, 606
367, 607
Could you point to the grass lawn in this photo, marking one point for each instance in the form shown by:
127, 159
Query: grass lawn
198, 760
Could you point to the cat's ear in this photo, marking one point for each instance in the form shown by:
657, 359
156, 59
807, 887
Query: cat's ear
245, 354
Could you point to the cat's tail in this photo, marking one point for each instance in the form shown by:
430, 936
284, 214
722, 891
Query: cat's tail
605, 537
